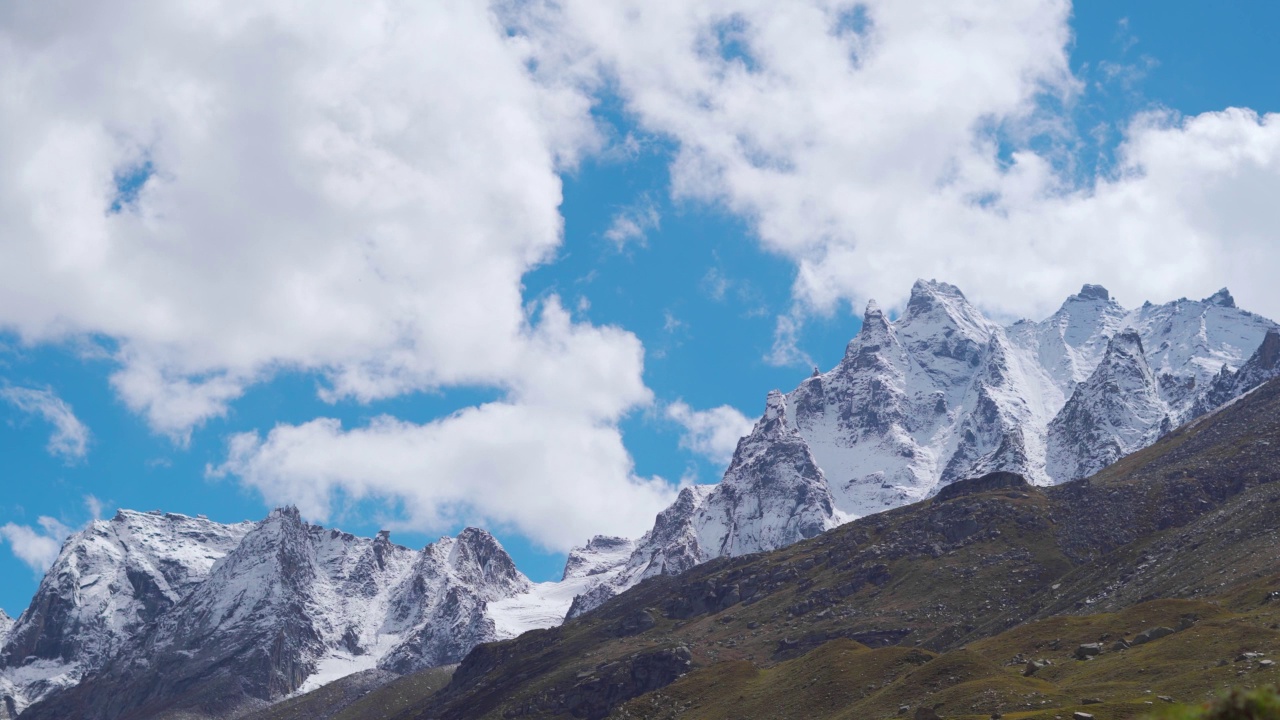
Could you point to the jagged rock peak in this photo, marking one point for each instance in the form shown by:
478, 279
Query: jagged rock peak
1127, 341
477, 551
774, 421
874, 322
1092, 292
287, 512
1268, 353
1222, 298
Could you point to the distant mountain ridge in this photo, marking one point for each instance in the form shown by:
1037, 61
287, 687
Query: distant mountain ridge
162, 609
944, 393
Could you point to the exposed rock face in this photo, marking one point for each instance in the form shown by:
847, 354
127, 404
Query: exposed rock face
440, 608
295, 605
6, 624
108, 583
986, 483
1116, 411
1262, 366
773, 494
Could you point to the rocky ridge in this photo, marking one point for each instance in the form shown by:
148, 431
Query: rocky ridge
772, 495
944, 393
289, 606
109, 582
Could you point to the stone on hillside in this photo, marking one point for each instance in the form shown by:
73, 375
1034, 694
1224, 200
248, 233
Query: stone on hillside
1033, 667
1150, 634
1088, 650
1081, 716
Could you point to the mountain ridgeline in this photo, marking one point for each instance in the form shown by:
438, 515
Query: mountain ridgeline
1157, 577
913, 499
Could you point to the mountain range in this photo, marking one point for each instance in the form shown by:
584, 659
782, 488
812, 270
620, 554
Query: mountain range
163, 615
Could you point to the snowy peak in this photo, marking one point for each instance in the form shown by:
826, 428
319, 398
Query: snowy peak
600, 555
772, 495
1116, 411
1222, 298
1262, 366
1091, 292
940, 316
1125, 350
110, 581
478, 556
6, 624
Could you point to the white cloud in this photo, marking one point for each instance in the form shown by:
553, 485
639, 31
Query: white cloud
70, 438
550, 477
356, 192
548, 462
712, 433
38, 547
633, 225
866, 149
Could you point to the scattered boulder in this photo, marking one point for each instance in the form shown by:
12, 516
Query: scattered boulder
1091, 701
1165, 698
1033, 667
1242, 657
1150, 634
1081, 716
1119, 645
1088, 650
1266, 663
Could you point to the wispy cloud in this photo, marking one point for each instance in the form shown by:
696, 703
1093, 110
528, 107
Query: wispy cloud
712, 433
633, 224
70, 438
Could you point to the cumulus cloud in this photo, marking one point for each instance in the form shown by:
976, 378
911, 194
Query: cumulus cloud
70, 438
37, 547
548, 462
231, 192
550, 477
711, 433
227, 193
875, 142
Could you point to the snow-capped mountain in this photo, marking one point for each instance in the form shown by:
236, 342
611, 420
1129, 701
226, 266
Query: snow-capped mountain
108, 583
1117, 410
6, 624
944, 393
772, 495
275, 607
1262, 366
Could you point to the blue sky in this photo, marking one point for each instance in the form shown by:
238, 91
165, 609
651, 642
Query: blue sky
700, 275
